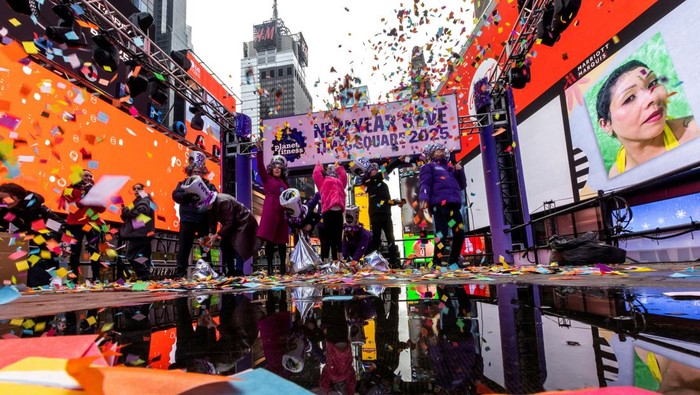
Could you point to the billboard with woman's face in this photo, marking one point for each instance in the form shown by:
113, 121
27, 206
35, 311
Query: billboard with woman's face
632, 113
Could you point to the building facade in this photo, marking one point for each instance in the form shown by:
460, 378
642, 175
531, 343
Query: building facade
273, 80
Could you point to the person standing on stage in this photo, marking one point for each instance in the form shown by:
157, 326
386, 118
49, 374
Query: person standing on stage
193, 219
138, 230
331, 183
441, 186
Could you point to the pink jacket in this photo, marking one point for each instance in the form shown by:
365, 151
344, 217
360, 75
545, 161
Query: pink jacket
332, 189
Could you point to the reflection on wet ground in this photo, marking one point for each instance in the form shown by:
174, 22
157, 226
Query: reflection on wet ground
474, 338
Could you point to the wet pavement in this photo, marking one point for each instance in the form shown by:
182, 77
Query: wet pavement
420, 338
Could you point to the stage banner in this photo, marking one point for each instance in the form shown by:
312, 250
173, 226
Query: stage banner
377, 131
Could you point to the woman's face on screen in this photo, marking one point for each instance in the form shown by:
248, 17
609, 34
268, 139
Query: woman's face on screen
637, 106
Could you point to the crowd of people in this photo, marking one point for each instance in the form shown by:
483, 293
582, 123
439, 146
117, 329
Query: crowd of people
218, 218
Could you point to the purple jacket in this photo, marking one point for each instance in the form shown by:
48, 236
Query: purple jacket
273, 224
355, 244
440, 182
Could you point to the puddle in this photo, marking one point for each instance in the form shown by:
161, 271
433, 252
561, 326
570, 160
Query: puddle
455, 339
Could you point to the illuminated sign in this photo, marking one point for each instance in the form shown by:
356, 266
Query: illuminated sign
265, 35
378, 131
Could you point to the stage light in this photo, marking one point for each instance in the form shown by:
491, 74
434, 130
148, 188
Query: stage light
106, 54
545, 34
62, 32
519, 76
180, 57
143, 20
157, 91
26, 7
196, 123
564, 13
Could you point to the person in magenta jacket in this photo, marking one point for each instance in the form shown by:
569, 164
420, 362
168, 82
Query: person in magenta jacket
273, 229
331, 183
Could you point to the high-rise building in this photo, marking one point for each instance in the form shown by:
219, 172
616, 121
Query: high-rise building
273, 80
171, 30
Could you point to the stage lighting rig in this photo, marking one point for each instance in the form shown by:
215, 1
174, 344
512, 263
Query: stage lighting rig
196, 123
106, 55
143, 20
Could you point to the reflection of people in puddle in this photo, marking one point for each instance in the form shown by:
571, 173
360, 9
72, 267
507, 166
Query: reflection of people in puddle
194, 346
338, 375
275, 330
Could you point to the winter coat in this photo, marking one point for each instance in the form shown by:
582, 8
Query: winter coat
440, 183
380, 201
133, 228
332, 189
188, 210
355, 244
238, 225
339, 368
308, 216
273, 225
84, 214
26, 212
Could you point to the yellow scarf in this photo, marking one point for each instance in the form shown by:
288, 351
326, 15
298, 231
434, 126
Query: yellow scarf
670, 142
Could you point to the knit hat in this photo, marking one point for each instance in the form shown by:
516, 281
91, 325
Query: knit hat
290, 199
198, 159
197, 187
331, 172
352, 215
278, 160
430, 149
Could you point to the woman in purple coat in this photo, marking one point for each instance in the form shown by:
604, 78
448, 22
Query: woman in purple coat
441, 186
273, 229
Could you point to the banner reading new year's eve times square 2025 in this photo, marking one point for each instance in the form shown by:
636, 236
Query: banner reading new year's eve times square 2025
374, 131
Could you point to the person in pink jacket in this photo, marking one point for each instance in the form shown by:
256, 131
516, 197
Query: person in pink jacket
331, 182
273, 229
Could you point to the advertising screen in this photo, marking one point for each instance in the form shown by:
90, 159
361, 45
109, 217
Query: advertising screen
378, 131
632, 114
51, 129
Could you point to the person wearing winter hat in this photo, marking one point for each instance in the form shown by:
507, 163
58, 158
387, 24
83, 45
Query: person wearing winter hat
301, 217
273, 228
193, 220
356, 238
331, 183
441, 186
380, 203
238, 225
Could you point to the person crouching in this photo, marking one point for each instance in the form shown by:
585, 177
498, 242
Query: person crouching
238, 227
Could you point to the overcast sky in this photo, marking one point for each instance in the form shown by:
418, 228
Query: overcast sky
344, 35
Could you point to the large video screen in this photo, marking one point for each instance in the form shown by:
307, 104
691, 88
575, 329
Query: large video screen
52, 128
632, 114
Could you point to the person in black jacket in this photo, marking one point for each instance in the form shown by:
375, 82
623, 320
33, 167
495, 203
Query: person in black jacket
193, 219
380, 203
138, 230
20, 210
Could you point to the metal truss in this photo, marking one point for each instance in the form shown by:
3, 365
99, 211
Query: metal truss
137, 46
520, 41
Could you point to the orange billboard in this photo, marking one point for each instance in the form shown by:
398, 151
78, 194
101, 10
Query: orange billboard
51, 128
596, 21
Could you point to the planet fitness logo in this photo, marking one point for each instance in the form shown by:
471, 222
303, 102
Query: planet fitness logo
290, 143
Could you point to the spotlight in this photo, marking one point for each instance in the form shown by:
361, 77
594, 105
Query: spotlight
180, 57
196, 123
106, 54
26, 7
137, 85
157, 91
564, 12
519, 76
143, 20
65, 13
545, 34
